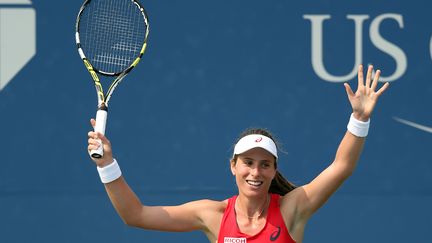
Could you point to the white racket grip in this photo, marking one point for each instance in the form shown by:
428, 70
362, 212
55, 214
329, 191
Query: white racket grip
101, 117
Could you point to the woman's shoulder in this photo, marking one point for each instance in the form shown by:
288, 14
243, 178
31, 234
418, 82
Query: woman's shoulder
212, 205
293, 196
289, 203
211, 213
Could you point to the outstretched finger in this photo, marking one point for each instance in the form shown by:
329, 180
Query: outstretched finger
360, 76
93, 122
348, 89
369, 75
376, 78
382, 89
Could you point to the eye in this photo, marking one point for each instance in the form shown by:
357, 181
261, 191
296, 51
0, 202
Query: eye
265, 165
248, 162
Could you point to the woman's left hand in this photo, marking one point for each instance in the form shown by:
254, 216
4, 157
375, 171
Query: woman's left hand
363, 101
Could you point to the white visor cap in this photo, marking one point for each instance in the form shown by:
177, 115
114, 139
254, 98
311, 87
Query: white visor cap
255, 141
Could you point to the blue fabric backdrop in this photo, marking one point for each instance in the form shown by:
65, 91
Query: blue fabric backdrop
212, 69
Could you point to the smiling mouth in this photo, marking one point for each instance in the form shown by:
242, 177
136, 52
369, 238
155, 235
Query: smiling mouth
254, 183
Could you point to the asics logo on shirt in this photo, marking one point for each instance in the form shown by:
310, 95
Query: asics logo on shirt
275, 234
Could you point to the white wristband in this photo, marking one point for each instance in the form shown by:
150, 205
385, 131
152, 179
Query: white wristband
358, 128
110, 172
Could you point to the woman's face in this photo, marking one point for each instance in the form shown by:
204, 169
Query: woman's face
254, 171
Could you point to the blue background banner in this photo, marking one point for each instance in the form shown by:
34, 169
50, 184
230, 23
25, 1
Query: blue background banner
211, 70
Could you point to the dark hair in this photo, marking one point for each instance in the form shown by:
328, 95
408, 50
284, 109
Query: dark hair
279, 184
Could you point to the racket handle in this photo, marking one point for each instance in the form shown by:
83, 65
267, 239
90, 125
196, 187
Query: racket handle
101, 117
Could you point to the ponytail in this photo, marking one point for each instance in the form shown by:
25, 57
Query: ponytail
280, 185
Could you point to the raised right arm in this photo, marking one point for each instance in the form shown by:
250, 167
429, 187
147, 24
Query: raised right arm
196, 215
186, 217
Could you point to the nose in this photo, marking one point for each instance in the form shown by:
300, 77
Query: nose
255, 171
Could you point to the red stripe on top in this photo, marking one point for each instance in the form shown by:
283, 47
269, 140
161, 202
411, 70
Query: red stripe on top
274, 230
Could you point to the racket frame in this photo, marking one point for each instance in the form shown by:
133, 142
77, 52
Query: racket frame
103, 98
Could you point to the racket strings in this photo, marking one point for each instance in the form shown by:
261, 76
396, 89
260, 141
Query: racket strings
113, 32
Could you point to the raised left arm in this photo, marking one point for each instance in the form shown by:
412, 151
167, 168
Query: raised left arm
313, 195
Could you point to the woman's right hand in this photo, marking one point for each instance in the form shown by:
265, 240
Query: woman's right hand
93, 143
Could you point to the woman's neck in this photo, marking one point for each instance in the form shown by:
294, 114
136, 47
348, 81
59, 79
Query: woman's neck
252, 208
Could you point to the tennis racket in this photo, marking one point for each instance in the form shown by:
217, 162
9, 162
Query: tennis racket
111, 37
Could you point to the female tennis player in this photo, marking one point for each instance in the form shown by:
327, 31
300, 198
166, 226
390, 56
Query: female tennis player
267, 208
